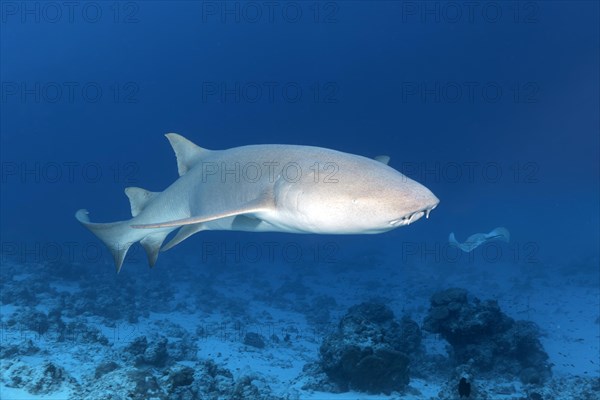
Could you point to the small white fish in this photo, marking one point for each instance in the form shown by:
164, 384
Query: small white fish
478, 239
259, 188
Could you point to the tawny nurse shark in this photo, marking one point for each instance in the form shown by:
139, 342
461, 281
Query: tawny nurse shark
260, 188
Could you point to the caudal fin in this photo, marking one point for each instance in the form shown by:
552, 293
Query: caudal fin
119, 236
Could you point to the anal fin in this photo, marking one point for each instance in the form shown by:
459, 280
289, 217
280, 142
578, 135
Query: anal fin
151, 244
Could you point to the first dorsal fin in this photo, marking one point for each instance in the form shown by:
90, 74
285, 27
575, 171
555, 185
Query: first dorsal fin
138, 199
187, 153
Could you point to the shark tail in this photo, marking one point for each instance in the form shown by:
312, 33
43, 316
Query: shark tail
119, 236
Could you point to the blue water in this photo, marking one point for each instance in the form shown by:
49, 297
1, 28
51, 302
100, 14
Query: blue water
493, 106
371, 66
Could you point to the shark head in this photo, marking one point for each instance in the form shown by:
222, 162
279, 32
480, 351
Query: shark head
364, 196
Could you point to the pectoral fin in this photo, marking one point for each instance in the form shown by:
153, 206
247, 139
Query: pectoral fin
261, 204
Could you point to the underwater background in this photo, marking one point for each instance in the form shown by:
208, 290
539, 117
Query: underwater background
493, 106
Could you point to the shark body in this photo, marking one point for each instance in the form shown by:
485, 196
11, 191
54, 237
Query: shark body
259, 188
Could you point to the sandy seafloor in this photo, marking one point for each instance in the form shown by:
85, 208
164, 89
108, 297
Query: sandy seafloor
91, 315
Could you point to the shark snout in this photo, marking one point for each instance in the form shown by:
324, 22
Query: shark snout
424, 208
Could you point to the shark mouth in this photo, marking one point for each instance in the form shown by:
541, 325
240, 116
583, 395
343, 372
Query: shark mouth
410, 218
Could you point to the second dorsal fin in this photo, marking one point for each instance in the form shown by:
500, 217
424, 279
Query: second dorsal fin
138, 199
